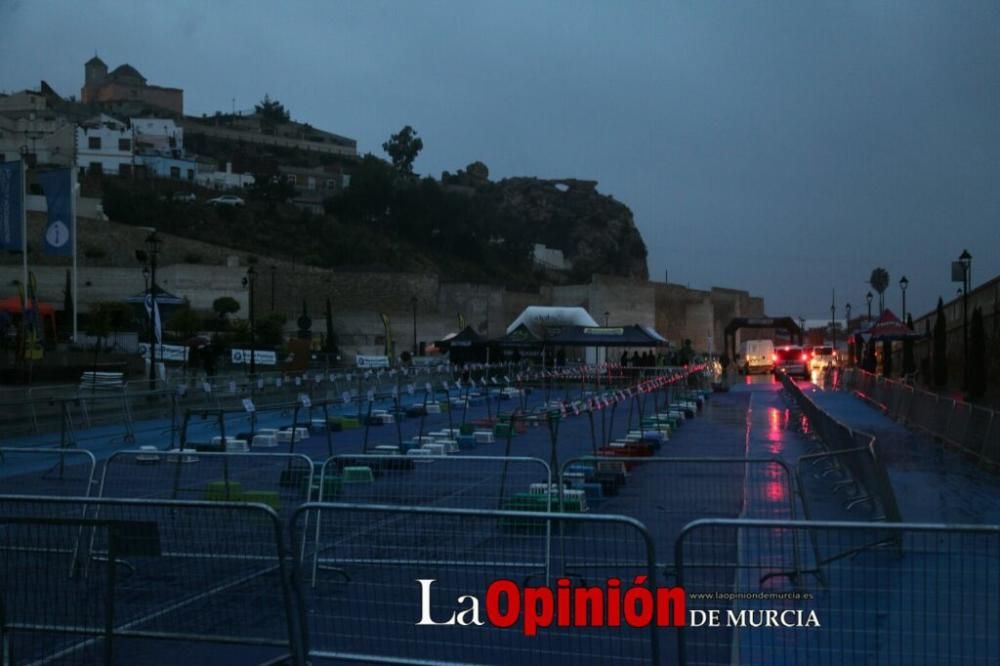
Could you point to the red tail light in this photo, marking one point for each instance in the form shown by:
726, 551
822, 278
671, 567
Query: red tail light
774, 357
805, 356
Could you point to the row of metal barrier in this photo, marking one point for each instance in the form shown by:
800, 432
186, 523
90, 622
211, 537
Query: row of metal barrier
62, 409
107, 581
850, 457
232, 550
974, 430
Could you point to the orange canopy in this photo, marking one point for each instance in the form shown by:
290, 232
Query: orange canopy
13, 305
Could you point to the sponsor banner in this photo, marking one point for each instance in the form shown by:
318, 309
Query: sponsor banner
372, 361
260, 357
165, 352
429, 361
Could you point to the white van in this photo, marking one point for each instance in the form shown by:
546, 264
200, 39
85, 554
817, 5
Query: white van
757, 356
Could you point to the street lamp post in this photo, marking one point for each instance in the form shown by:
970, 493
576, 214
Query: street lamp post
833, 324
847, 331
966, 260
903, 284
606, 315
413, 301
148, 258
248, 282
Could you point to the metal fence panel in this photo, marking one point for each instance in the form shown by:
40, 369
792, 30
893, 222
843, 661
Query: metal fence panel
958, 423
665, 494
991, 447
924, 405
939, 416
919, 595
979, 426
905, 405
279, 480
46, 471
850, 453
366, 602
185, 571
468, 482
45, 612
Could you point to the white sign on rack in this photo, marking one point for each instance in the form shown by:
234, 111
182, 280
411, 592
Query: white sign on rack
260, 357
372, 361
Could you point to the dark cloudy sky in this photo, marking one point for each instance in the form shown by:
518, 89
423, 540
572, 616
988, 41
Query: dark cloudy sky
782, 147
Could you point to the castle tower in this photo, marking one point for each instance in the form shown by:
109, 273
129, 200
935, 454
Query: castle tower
94, 73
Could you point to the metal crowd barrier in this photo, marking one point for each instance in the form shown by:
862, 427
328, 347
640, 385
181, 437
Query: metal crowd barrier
885, 593
51, 472
141, 570
665, 494
367, 603
468, 482
850, 456
972, 429
282, 481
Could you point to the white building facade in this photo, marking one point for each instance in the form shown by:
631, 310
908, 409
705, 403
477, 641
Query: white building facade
105, 145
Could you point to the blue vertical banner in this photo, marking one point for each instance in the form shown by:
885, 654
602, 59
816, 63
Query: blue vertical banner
11, 205
58, 188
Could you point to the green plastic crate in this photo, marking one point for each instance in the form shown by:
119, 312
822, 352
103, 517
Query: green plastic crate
215, 491
357, 475
268, 497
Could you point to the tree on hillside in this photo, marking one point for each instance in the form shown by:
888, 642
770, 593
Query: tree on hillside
225, 305
403, 148
369, 195
271, 111
879, 281
940, 359
272, 190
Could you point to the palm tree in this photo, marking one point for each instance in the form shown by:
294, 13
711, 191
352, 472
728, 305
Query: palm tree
879, 281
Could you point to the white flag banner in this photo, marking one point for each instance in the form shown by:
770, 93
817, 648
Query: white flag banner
153, 312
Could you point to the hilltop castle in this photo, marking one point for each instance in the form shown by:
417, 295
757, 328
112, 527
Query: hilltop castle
125, 85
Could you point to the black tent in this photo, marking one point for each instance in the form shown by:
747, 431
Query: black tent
466, 346
163, 297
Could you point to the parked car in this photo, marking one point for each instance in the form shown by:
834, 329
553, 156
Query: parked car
226, 200
185, 197
792, 360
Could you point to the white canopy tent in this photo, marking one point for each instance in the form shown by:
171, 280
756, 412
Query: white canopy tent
537, 318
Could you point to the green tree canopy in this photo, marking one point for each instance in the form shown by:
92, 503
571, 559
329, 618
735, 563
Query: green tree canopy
225, 305
272, 111
403, 148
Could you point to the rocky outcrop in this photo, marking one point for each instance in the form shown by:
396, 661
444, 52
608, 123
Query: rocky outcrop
595, 233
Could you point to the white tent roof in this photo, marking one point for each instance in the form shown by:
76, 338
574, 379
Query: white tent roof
537, 317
